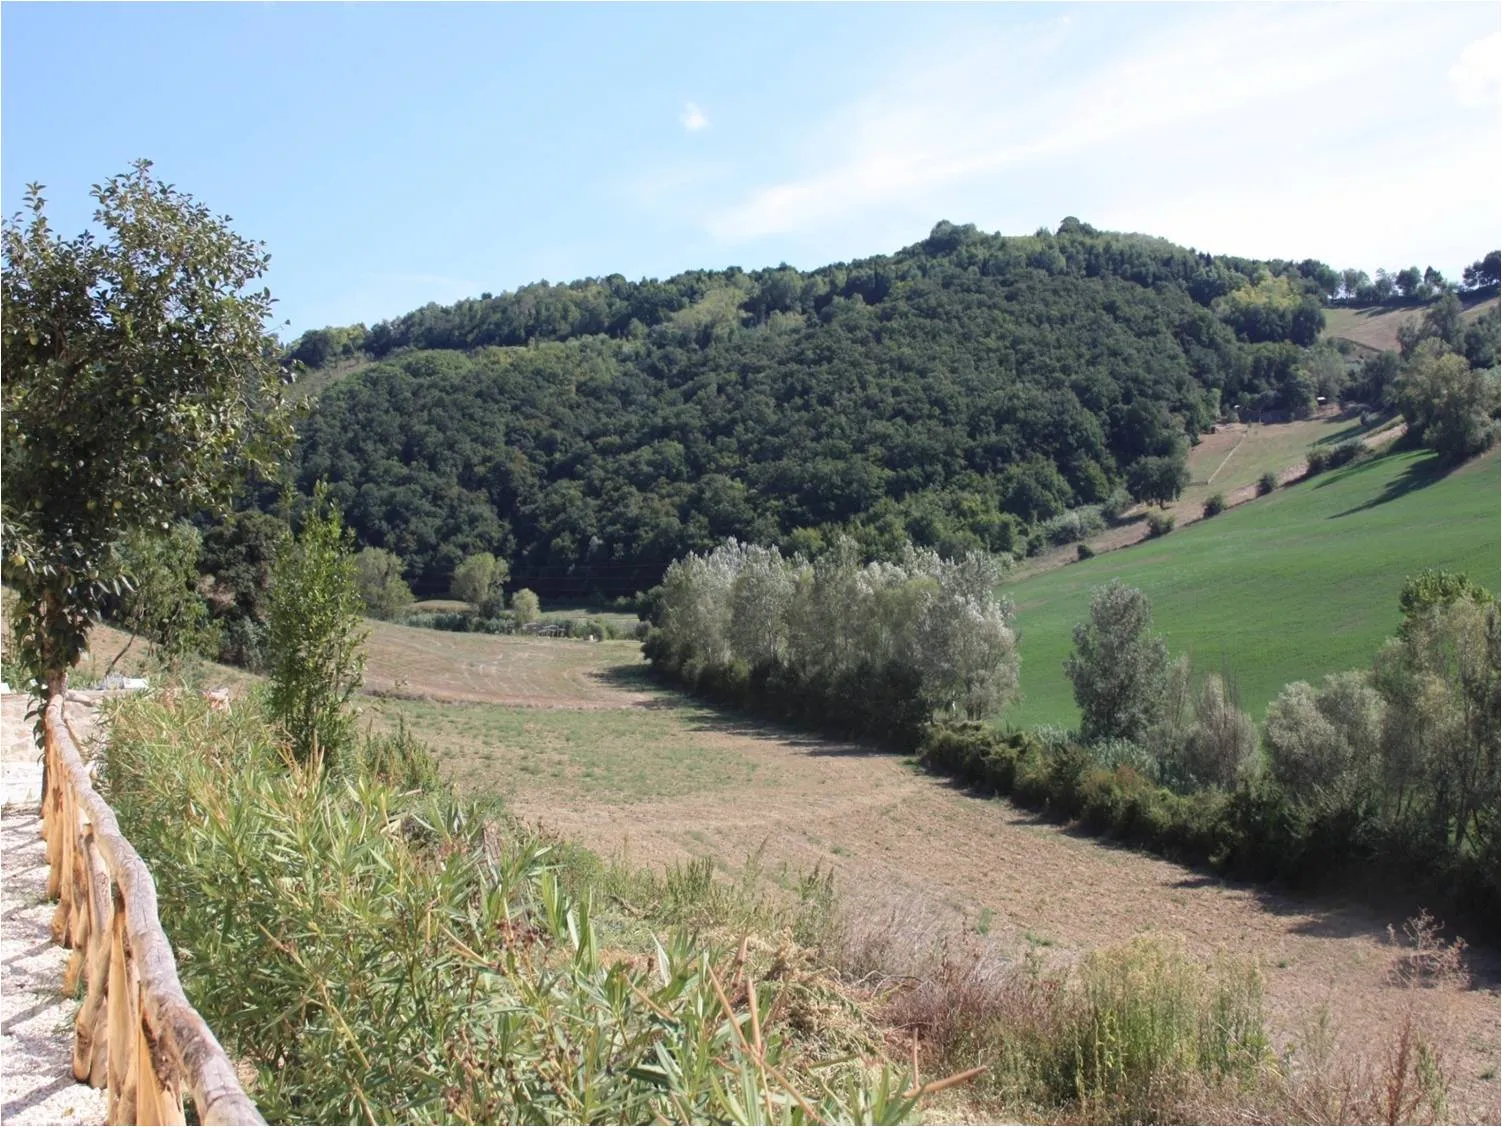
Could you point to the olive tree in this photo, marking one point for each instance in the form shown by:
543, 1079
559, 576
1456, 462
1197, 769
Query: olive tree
140, 383
1119, 668
382, 588
478, 580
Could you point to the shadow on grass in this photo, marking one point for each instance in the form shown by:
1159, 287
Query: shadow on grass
1419, 475
1364, 910
701, 715
1357, 429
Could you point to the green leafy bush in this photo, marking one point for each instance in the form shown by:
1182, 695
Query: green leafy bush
1267, 483
314, 641
1215, 504
1159, 524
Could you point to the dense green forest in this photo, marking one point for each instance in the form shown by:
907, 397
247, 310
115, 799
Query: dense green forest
959, 393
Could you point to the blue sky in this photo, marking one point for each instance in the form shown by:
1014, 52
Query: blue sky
392, 154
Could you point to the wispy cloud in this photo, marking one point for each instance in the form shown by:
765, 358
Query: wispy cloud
1476, 77
693, 118
1208, 98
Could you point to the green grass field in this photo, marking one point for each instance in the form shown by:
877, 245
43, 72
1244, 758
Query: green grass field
1291, 586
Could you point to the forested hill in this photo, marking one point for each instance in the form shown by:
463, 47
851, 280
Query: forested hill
960, 392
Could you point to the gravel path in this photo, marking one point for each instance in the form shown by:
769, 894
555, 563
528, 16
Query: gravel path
36, 1020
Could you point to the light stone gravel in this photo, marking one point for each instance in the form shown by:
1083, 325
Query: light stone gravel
36, 1020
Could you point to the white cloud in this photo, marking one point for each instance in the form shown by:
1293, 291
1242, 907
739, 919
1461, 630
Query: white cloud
1476, 76
1201, 108
693, 118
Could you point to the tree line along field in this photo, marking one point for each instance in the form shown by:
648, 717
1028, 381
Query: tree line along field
1298, 584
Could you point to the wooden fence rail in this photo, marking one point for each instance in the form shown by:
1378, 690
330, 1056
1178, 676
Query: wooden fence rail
136, 1035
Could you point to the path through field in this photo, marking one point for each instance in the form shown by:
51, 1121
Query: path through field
642, 772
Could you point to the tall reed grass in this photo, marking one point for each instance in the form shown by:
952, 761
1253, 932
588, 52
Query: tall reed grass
379, 951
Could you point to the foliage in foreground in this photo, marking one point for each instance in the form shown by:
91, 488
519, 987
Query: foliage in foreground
314, 637
140, 385
383, 952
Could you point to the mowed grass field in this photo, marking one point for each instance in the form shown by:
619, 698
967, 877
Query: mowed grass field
1236, 456
579, 741
1376, 327
1289, 587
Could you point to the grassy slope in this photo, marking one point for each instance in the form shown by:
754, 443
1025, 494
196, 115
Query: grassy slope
1376, 327
1292, 586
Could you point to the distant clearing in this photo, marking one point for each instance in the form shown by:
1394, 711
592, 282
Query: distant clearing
1236, 455
518, 670
1375, 327
1294, 585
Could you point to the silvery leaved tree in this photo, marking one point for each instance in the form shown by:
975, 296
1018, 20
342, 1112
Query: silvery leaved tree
140, 384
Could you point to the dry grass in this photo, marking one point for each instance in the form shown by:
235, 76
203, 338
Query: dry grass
670, 781
528, 672
1376, 327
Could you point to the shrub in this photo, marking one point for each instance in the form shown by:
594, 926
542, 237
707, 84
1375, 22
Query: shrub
1347, 452
315, 647
1113, 506
1066, 528
1114, 754
1267, 483
1215, 504
1083, 551
1118, 667
1317, 461
525, 607
1159, 524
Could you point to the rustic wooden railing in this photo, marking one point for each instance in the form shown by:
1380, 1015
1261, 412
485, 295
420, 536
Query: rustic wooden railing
136, 1035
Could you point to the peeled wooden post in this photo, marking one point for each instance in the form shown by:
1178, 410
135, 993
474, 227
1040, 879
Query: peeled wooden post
52, 814
91, 1028
123, 1023
159, 1097
63, 870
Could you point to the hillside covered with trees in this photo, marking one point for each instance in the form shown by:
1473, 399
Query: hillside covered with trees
961, 394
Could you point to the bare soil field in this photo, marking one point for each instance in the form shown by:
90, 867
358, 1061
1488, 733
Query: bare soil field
642, 773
